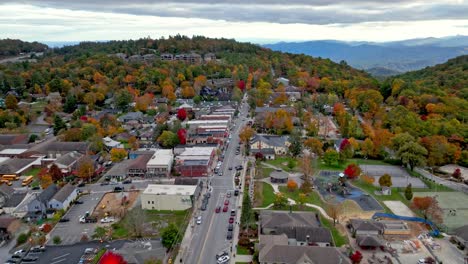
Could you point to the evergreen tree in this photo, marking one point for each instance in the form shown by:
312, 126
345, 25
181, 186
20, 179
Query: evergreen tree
246, 216
58, 124
409, 192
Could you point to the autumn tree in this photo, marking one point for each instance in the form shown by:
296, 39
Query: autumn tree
55, 172
85, 168
412, 154
334, 210
236, 95
292, 185
46, 180
409, 192
356, 257
302, 199
307, 169
457, 174
246, 134
385, 180
352, 171
11, 102
331, 157
314, 145
182, 135
181, 114
346, 150
122, 99
429, 207
168, 139
280, 200
118, 154
133, 142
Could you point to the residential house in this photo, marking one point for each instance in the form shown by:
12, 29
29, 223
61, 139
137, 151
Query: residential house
68, 162
192, 58
119, 170
12, 203
209, 57
195, 162
167, 57
64, 197
38, 206
137, 116
274, 249
283, 81
369, 242
160, 164
301, 228
54, 98
13, 152
169, 197
261, 142
8, 227
110, 143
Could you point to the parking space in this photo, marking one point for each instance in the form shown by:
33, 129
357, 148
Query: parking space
71, 232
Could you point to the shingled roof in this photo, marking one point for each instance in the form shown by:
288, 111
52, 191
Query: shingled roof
271, 140
368, 241
276, 219
300, 254
366, 225
12, 166
64, 193
47, 194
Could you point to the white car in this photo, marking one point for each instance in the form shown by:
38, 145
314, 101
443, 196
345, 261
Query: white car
199, 220
107, 220
82, 219
223, 259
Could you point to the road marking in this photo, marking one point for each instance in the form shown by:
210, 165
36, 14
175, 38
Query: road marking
58, 261
64, 255
207, 233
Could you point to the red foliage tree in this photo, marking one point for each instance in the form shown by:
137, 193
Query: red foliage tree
352, 171
241, 85
259, 156
356, 258
345, 144
182, 134
55, 172
112, 258
181, 114
457, 173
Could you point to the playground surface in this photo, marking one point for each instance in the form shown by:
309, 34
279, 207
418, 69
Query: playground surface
326, 179
399, 208
454, 205
400, 177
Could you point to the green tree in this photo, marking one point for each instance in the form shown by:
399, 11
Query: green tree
22, 238
197, 99
401, 139
100, 232
412, 154
122, 99
280, 200
296, 144
236, 95
58, 124
170, 236
302, 199
409, 192
246, 216
331, 156
70, 104
168, 139
385, 180
87, 131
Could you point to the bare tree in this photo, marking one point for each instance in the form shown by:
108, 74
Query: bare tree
308, 171
334, 210
136, 220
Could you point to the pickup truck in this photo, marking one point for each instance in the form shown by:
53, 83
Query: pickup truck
88, 219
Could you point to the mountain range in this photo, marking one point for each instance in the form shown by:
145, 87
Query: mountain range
382, 58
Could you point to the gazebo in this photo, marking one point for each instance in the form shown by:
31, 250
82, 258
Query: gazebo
279, 176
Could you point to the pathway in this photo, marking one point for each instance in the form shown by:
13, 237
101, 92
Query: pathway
243, 258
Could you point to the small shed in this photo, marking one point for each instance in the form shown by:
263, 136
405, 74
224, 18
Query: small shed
279, 176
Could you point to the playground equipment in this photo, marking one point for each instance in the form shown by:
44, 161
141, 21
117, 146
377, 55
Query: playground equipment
435, 231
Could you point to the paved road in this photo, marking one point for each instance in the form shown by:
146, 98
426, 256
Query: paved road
209, 238
456, 186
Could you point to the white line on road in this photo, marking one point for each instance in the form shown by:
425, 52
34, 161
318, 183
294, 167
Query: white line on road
64, 255
58, 261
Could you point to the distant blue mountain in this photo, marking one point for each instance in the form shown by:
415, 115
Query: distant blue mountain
397, 56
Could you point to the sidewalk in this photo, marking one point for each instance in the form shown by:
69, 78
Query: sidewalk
235, 236
243, 258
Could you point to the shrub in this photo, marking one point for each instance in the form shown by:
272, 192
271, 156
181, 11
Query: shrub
22, 238
56, 240
368, 179
292, 185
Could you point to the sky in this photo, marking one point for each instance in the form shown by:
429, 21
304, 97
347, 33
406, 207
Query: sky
260, 21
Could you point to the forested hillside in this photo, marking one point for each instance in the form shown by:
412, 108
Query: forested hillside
13, 47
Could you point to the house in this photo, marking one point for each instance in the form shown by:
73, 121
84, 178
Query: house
54, 98
37, 207
160, 163
7, 140
169, 197
283, 81
275, 249
279, 144
68, 162
279, 176
192, 58
301, 228
64, 197
137, 116
110, 143
369, 242
267, 153
119, 170
166, 57
12, 152
8, 227
209, 57
195, 161
11, 204
365, 227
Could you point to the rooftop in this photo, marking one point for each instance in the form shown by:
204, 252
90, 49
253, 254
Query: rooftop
170, 189
64, 193
9, 151
161, 157
198, 151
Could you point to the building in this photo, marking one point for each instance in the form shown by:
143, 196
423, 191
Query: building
275, 249
64, 197
279, 176
301, 228
167, 57
137, 166
12, 152
137, 116
7, 140
365, 227
39, 204
192, 58
17, 166
68, 162
279, 144
119, 170
195, 162
110, 143
5, 193
209, 57
169, 197
11, 205
160, 164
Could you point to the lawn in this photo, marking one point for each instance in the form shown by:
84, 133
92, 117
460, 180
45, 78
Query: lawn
242, 250
176, 217
263, 172
99, 255
38, 106
33, 172
283, 162
343, 165
264, 194
312, 198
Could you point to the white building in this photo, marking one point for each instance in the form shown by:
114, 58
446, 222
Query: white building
160, 163
110, 143
168, 197
64, 197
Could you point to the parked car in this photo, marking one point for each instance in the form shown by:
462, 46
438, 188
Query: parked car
231, 220
35, 188
230, 168
220, 173
225, 208
230, 227
229, 235
226, 202
203, 207
119, 189
236, 192
107, 220
38, 249
63, 220
228, 194
127, 181
90, 250
218, 209
19, 252
224, 258
12, 261
208, 194
233, 212
78, 202
104, 183
30, 258
81, 184
199, 220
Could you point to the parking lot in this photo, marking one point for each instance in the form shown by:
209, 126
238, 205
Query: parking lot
71, 232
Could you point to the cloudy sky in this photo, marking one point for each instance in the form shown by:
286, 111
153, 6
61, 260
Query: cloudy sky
260, 21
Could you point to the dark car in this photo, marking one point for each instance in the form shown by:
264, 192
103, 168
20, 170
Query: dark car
218, 209
127, 181
35, 188
82, 184
229, 235
12, 261
104, 183
225, 208
236, 192
233, 212
208, 194
118, 189
63, 220
203, 207
231, 220
78, 202
230, 168
230, 227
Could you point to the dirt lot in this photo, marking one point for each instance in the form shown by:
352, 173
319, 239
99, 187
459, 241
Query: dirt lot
115, 204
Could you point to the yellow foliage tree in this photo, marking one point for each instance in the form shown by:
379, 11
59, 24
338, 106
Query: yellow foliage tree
118, 154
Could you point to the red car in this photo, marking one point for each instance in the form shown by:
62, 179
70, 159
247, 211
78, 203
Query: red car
231, 220
218, 209
225, 209
226, 202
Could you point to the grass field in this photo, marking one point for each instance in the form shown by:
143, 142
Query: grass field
242, 251
343, 165
263, 172
312, 198
282, 162
264, 195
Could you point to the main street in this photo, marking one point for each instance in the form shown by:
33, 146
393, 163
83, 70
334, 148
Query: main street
209, 238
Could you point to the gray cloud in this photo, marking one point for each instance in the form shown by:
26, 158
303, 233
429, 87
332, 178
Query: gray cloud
318, 12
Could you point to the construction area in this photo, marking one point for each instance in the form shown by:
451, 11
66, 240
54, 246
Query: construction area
115, 204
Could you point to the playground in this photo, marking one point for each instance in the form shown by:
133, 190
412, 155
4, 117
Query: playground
454, 205
400, 177
330, 188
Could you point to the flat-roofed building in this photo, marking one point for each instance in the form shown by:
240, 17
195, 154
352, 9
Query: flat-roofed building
195, 162
160, 163
168, 197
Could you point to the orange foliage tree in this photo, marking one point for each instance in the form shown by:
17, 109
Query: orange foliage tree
292, 185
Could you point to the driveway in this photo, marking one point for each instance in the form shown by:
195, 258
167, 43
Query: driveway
72, 231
